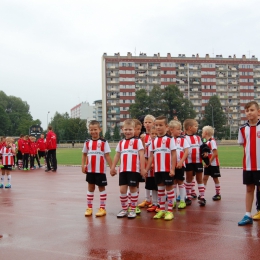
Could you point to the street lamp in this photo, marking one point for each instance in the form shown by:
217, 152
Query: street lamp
47, 118
212, 115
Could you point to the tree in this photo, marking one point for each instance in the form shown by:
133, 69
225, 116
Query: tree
169, 102
141, 105
176, 104
107, 134
116, 135
215, 117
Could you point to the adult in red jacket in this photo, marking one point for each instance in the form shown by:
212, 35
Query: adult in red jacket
51, 146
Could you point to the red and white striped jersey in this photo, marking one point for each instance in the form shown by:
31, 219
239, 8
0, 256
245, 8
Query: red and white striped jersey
7, 156
147, 141
249, 137
151, 171
211, 143
194, 151
181, 144
129, 154
161, 148
96, 150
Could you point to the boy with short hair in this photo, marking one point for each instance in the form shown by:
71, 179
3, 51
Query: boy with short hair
130, 151
7, 152
148, 124
213, 168
193, 161
249, 137
95, 154
163, 153
25, 149
41, 149
182, 150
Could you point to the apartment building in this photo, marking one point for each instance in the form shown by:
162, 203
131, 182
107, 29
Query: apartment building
235, 80
83, 111
97, 111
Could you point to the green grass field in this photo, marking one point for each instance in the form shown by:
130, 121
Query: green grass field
229, 156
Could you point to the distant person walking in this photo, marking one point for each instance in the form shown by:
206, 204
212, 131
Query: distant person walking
51, 145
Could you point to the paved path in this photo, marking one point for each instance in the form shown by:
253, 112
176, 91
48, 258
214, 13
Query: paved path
42, 217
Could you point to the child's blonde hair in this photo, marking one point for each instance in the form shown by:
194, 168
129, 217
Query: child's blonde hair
152, 118
9, 139
174, 124
208, 129
189, 123
129, 122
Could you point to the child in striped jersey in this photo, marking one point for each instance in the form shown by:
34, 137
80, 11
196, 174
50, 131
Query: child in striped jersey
7, 152
130, 151
150, 183
193, 161
95, 154
213, 168
249, 137
163, 154
182, 153
146, 138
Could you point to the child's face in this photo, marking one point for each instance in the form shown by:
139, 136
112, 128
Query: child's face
175, 131
138, 129
128, 131
203, 134
94, 131
148, 123
153, 133
194, 128
8, 142
160, 127
252, 113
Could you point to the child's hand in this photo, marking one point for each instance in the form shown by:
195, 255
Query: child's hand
179, 165
172, 173
83, 169
204, 155
113, 172
144, 173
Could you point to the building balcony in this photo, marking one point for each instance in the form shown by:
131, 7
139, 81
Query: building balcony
113, 104
257, 68
257, 89
112, 74
221, 89
234, 96
234, 104
221, 82
181, 67
141, 67
195, 82
233, 75
195, 89
141, 74
195, 75
233, 68
257, 82
113, 96
154, 67
234, 82
112, 67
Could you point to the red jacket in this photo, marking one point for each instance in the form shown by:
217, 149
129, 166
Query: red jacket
25, 148
51, 141
33, 148
41, 144
20, 142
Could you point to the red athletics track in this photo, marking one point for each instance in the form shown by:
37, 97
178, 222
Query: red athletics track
42, 217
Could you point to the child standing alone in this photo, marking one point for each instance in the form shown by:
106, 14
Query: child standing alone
249, 137
95, 154
7, 151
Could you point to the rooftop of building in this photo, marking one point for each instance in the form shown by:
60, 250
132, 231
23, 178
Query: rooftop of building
141, 55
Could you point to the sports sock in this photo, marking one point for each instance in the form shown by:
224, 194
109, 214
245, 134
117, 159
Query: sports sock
103, 198
193, 187
2, 179
248, 214
182, 192
188, 189
90, 197
161, 197
217, 187
201, 190
170, 196
147, 195
155, 197
123, 199
9, 178
175, 191
134, 198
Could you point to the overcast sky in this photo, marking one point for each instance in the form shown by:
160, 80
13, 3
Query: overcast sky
50, 50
